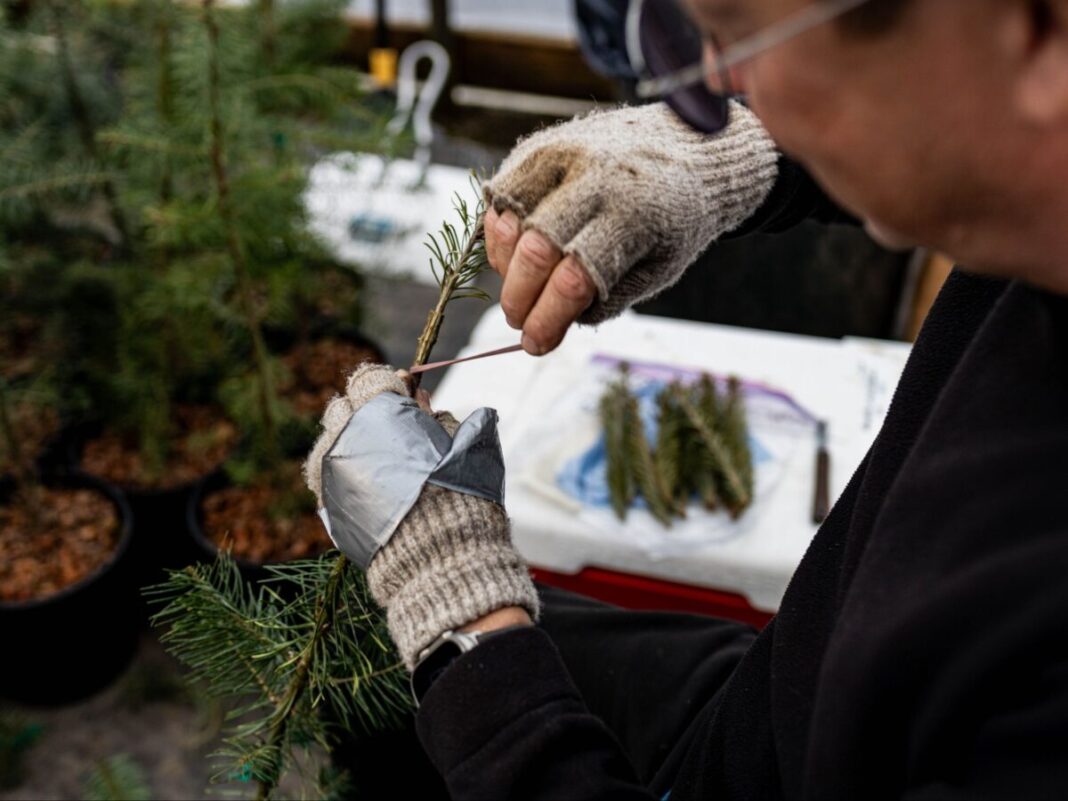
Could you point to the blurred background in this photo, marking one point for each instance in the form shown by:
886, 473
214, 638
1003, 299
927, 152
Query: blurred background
209, 213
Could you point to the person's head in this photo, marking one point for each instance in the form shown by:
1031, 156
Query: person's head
943, 122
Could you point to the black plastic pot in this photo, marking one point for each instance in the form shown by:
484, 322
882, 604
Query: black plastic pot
206, 547
278, 341
70, 644
160, 538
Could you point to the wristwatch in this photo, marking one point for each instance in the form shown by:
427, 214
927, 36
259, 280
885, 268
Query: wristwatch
446, 649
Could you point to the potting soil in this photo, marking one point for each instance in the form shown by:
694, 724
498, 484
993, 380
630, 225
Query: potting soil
73, 536
205, 439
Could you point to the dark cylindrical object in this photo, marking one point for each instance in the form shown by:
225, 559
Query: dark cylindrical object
381, 24
206, 548
821, 497
73, 643
160, 539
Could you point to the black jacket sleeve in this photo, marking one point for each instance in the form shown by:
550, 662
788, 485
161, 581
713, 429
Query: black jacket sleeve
794, 198
505, 721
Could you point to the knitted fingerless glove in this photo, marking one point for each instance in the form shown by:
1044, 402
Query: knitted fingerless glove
636, 194
450, 561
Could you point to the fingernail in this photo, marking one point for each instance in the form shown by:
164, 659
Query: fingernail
509, 316
507, 225
531, 347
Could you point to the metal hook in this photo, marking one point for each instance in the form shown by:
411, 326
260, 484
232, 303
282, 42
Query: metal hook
417, 104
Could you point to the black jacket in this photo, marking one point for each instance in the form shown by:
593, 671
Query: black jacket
920, 650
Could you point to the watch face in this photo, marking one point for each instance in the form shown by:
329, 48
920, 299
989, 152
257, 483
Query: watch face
432, 666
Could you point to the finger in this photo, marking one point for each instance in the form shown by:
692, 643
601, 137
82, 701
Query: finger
493, 239
534, 260
502, 235
568, 293
408, 379
422, 397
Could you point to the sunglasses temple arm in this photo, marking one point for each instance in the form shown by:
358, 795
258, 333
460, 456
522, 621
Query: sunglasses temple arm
804, 20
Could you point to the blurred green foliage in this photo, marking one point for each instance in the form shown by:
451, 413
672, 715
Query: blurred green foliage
114, 255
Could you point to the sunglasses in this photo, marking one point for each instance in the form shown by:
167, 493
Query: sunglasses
677, 64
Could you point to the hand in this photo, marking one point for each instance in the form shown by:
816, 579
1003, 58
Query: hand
544, 291
501, 619
596, 214
450, 561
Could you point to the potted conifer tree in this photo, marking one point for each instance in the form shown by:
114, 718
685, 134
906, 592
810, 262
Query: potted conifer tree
304, 654
66, 597
197, 263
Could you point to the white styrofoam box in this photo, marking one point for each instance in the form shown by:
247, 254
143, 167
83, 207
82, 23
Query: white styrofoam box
370, 216
848, 383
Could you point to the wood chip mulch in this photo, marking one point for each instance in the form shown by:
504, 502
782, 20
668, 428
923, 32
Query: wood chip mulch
21, 353
206, 439
249, 522
36, 428
74, 534
318, 371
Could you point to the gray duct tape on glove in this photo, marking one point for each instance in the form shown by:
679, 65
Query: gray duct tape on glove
390, 448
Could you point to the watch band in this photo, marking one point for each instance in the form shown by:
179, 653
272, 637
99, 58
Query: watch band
446, 649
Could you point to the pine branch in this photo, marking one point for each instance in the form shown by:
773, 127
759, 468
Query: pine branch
165, 91
326, 647
643, 465
288, 657
631, 463
117, 779
705, 468
281, 718
17, 149
457, 261
615, 422
82, 118
733, 486
670, 452
460, 260
53, 183
268, 33
736, 436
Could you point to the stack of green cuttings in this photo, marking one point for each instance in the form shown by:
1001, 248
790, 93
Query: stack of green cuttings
701, 449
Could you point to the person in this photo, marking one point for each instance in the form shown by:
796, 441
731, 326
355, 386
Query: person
920, 649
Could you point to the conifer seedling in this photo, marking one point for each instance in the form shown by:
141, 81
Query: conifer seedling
307, 651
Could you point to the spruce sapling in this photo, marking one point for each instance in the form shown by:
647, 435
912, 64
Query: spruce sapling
318, 649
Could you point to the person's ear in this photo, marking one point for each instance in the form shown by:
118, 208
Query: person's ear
1041, 85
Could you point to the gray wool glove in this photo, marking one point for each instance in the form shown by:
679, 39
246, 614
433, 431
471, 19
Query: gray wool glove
450, 561
635, 194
